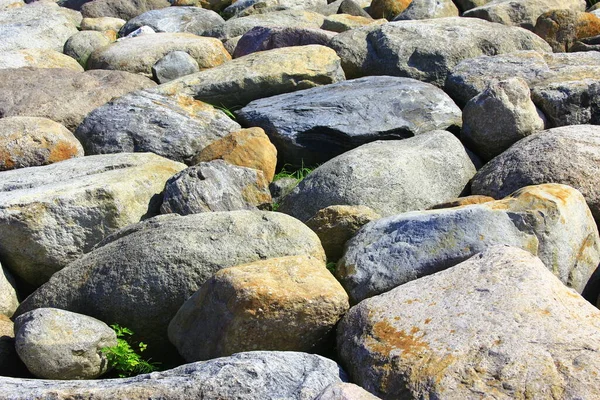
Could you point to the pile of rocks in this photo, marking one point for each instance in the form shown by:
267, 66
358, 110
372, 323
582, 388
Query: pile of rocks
444, 244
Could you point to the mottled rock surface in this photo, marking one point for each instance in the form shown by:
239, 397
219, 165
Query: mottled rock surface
427, 9
37, 58
174, 65
81, 45
267, 38
194, 20
124, 9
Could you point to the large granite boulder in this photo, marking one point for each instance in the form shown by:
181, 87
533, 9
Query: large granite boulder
499, 324
53, 214
312, 126
390, 176
141, 275
176, 127
194, 20
124, 9
551, 221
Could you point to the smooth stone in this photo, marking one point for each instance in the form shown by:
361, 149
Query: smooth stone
38, 58
81, 45
9, 300
123, 9
267, 38
194, 20
240, 7
174, 65
427, 9
102, 24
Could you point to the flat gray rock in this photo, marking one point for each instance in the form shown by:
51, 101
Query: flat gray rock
264, 375
569, 155
391, 177
262, 38
551, 221
427, 50
176, 127
312, 126
52, 215
194, 20
143, 286
174, 65
499, 324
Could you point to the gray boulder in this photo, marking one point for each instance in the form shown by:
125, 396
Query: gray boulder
497, 323
247, 7
390, 177
58, 344
427, 9
124, 9
194, 20
215, 186
82, 44
258, 375
176, 127
312, 126
352, 7
142, 287
62, 95
427, 50
174, 65
569, 155
51, 215
500, 116
266, 38
8, 295
551, 221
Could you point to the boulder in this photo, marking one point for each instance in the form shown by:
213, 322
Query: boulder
463, 201
8, 295
569, 155
194, 20
102, 24
247, 148
344, 22
352, 7
523, 13
390, 176
174, 65
497, 323
290, 303
427, 50
335, 225
587, 44
40, 25
142, 287
345, 391
312, 126
258, 75
123, 9
267, 38
38, 58
33, 141
81, 45
561, 28
58, 344
245, 7
215, 186
387, 9
257, 375
62, 95
551, 221
427, 9
52, 215
138, 54
176, 127
500, 116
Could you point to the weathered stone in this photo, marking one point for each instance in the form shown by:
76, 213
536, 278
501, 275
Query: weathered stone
58, 344
463, 201
267, 38
215, 186
194, 20
82, 44
38, 58
102, 24
335, 225
258, 75
562, 28
176, 127
8, 295
426, 9
387, 9
523, 13
497, 323
343, 22
499, 116
247, 148
289, 303
265, 375
569, 155
37, 26
137, 55
8, 4
352, 7
33, 141
345, 391
247, 7
390, 176
142, 287
551, 221
62, 95
427, 50
587, 44
124, 9
51, 215
10, 364
174, 65
141, 31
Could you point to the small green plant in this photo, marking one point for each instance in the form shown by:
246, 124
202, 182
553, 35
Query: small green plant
123, 358
297, 174
227, 110
331, 266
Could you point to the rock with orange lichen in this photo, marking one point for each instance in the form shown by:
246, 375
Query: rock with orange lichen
551, 221
499, 325
289, 303
463, 201
562, 28
176, 127
388, 9
33, 141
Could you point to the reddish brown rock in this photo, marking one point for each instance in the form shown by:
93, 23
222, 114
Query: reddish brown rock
388, 8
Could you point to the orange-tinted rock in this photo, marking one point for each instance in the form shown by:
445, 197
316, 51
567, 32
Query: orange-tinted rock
388, 8
561, 28
463, 201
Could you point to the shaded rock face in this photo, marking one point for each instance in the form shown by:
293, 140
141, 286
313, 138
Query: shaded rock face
58, 344
551, 221
124, 9
267, 38
288, 303
62, 95
255, 375
388, 176
312, 126
10, 364
427, 50
142, 287
569, 155
194, 20
53, 214
176, 127
258, 75
215, 186
496, 323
